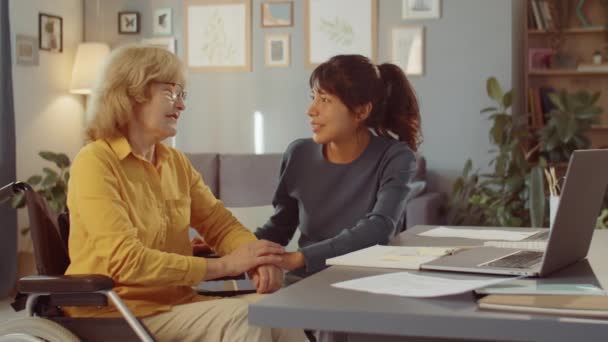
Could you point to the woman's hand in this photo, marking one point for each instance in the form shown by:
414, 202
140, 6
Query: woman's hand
244, 258
200, 247
292, 260
266, 278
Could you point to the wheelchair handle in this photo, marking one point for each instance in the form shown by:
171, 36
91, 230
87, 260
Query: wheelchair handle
11, 189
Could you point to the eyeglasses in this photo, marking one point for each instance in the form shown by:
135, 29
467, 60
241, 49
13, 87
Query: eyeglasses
177, 93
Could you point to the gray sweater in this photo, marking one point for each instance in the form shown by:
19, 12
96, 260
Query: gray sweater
339, 208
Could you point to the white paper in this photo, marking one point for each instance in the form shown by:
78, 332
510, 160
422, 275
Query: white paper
408, 284
401, 257
478, 234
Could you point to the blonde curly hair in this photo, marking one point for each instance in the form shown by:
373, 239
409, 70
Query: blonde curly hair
124, 82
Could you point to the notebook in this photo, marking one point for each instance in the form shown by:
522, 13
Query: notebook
400, 257
522, 288
563, 305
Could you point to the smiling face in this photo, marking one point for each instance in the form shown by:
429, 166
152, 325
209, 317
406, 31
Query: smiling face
157, 117
330, 119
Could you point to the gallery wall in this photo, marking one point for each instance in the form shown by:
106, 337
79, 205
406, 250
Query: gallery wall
471, 41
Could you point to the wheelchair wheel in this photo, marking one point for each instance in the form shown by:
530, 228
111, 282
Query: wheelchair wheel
35, 329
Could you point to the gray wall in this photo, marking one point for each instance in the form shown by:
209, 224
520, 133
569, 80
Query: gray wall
470, 42
47, 116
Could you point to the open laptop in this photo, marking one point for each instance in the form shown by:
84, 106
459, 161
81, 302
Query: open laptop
569, 239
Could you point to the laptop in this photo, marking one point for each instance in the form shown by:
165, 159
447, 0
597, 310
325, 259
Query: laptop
569, 238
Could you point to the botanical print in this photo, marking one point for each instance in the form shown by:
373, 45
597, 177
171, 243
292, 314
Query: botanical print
338, 31
217, 48
340, 27
217, 36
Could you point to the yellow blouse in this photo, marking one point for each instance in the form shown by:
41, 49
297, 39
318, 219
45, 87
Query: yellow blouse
129, 220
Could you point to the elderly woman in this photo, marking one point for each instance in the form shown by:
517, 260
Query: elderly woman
132, 200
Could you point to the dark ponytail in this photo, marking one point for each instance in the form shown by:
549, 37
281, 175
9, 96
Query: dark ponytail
357, 81
401, 113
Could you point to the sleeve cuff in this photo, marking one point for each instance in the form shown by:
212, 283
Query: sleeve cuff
316, 254
197, 271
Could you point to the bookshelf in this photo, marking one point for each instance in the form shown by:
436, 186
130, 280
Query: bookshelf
549, 27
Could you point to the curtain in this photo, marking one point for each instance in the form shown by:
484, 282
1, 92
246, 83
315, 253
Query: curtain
8, 215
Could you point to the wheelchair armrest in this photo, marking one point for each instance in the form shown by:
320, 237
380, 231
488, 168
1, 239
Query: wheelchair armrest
81, 283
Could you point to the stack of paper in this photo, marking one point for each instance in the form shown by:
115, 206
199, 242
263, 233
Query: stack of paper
400, 257
565, 305
420, 286
478, 234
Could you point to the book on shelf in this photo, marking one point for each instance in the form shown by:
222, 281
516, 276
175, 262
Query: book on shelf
540, 16
563, 305
593, 67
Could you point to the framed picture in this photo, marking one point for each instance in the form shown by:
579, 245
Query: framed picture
50, 32
167, 43
277, 50
408, 49
163, 21
277, 13
217, 35
331, 30
421, 9
26, 50
128, 22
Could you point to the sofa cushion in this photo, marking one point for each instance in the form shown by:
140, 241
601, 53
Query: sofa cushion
248, 180
207, 164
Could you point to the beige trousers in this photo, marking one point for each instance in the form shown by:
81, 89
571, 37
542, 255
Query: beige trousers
219, 320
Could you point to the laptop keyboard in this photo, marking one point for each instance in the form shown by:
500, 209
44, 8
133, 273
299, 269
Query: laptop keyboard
521, 259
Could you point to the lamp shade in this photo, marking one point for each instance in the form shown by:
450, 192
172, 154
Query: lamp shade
89, 58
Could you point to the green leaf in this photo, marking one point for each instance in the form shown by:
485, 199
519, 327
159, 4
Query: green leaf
49, 179
537, 197
507, 100
489, 109
63, 161
557, 101
34, 180
18, 200
48, 155
494, 90
66, 177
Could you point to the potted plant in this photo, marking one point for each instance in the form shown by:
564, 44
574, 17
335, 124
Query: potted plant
511, 195
52, 184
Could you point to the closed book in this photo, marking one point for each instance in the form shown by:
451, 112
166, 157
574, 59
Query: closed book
563, 305
523, 287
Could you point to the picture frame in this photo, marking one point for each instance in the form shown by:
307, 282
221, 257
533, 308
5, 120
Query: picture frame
26, 50
420, 9
277, 50
50, 32
407, 49
128, 22
217, 35
167, 43
163, 21
329, 30
277, 13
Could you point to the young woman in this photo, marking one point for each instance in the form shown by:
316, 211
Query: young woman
346, 188
132, 200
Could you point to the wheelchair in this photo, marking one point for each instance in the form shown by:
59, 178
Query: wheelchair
43, 295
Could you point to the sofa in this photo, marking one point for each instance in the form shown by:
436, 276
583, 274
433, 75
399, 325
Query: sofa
245, 183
